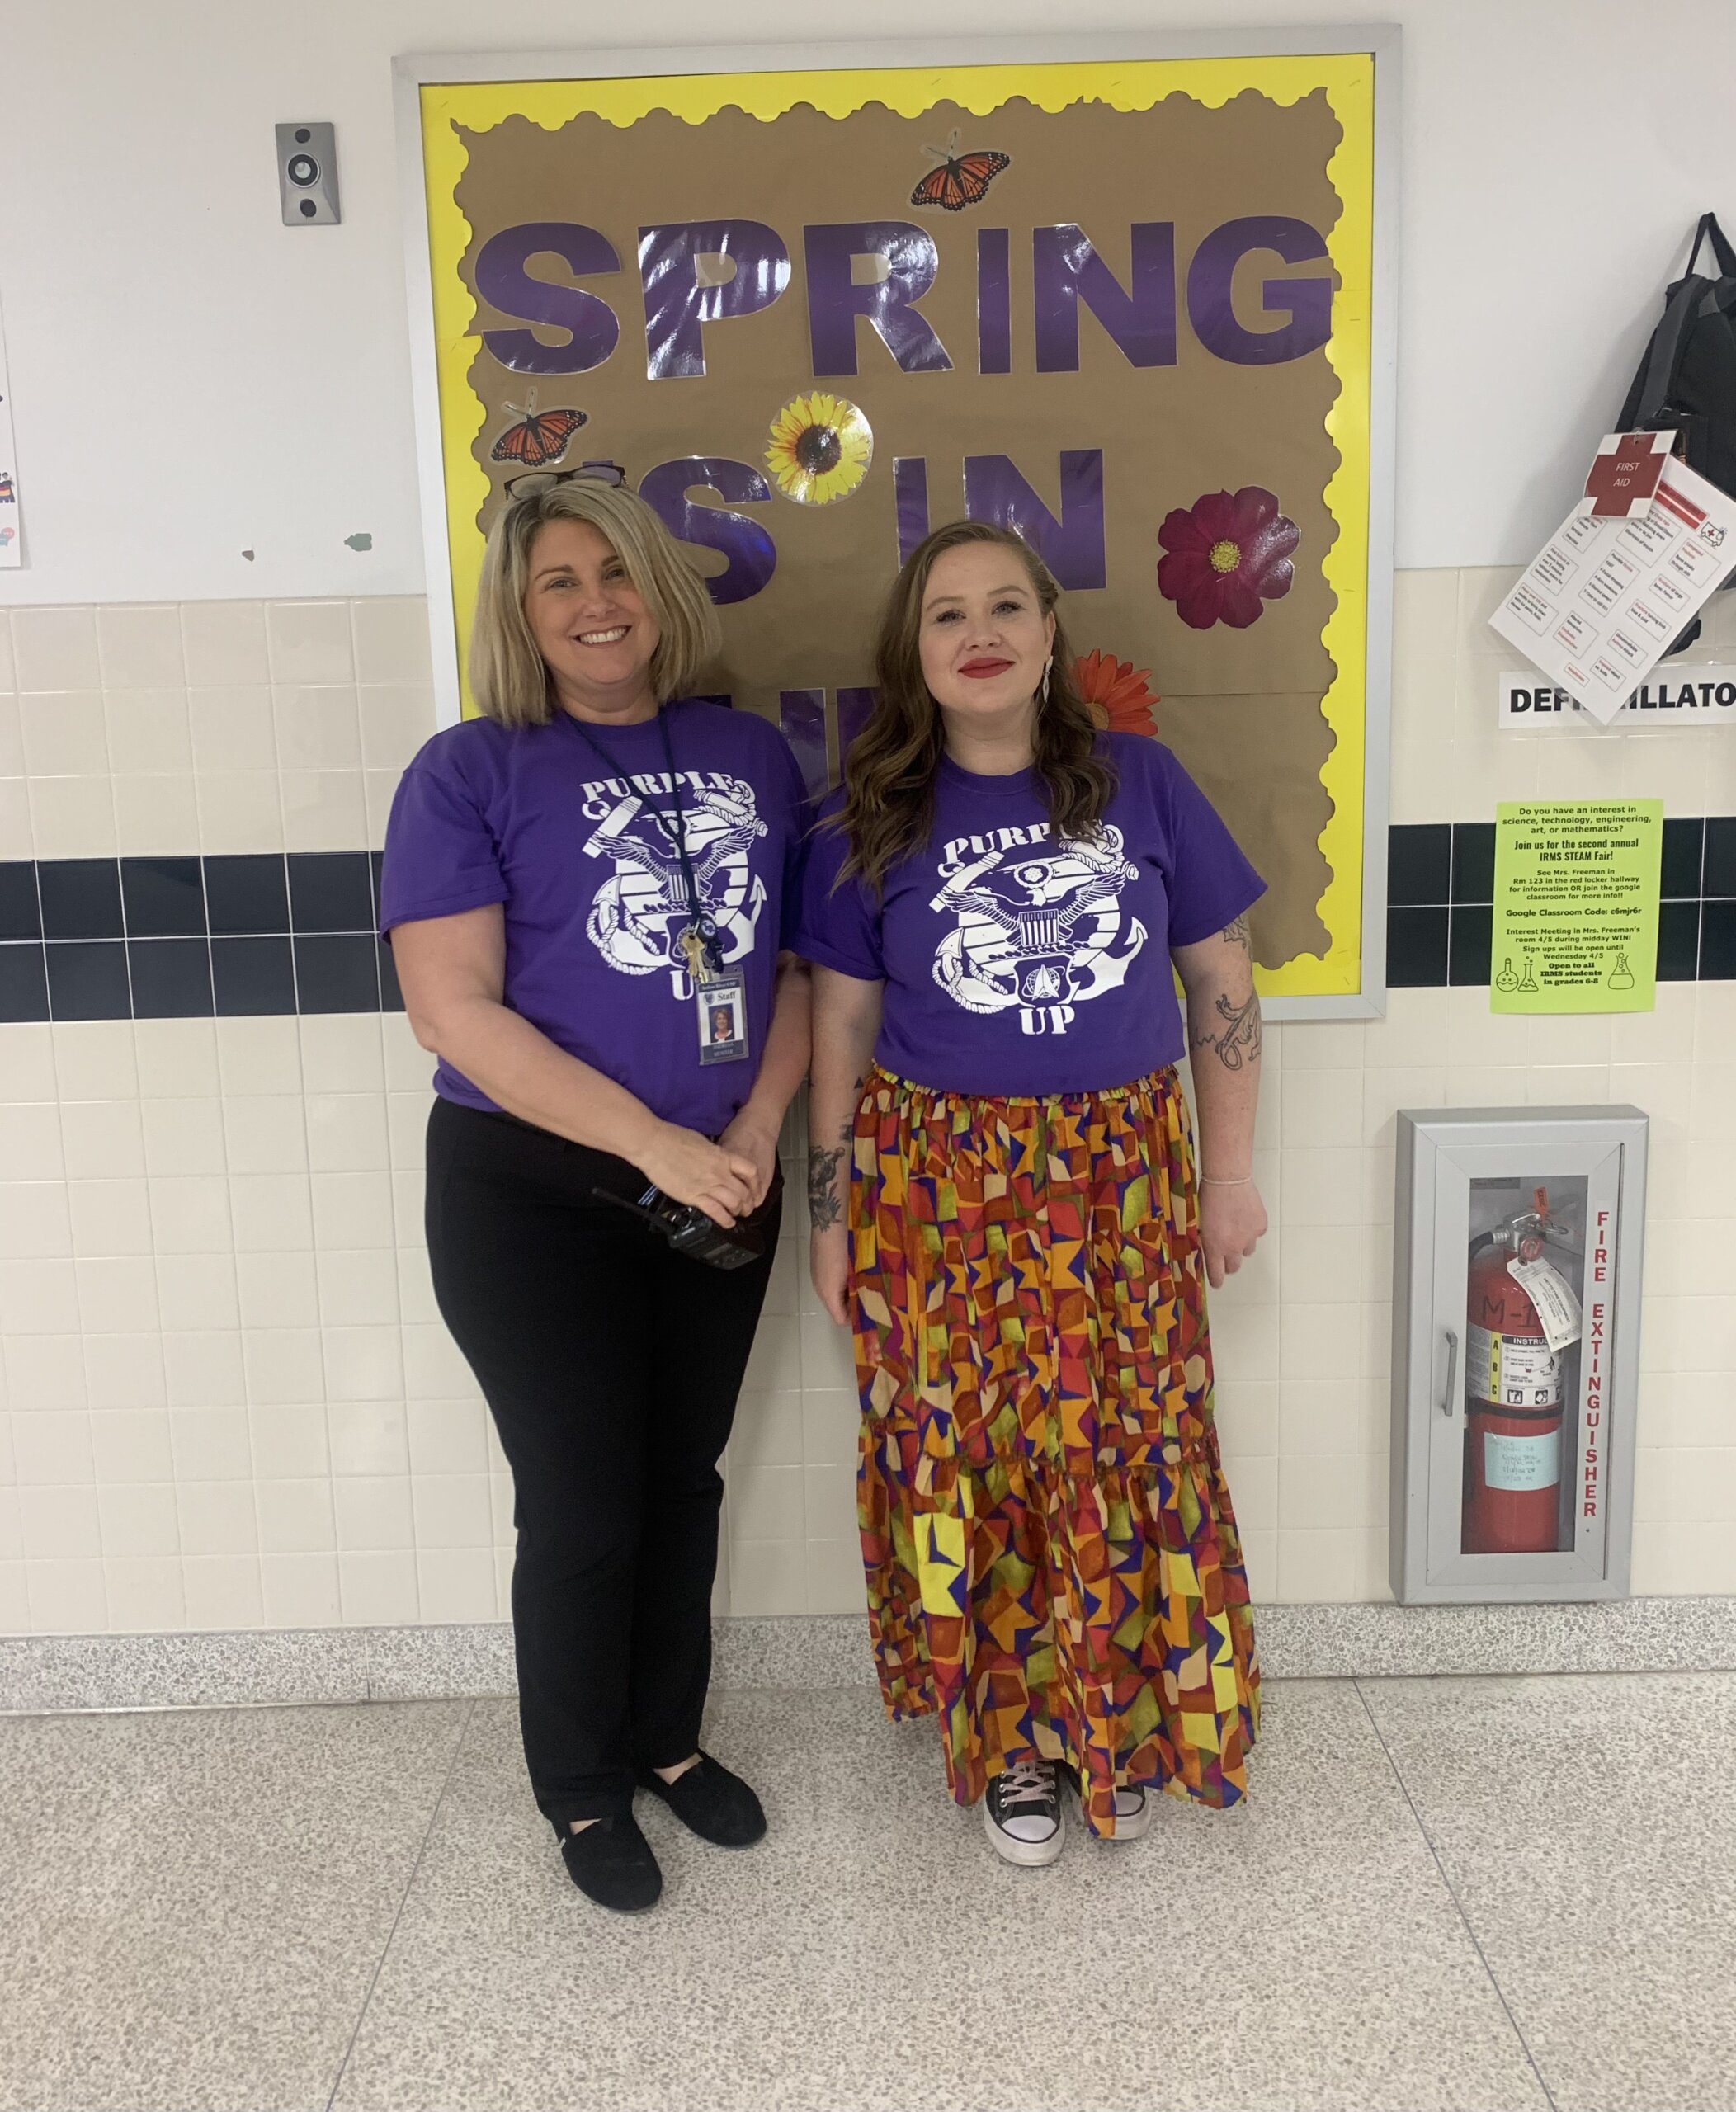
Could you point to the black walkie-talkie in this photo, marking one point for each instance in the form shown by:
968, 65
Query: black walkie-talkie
690, 1231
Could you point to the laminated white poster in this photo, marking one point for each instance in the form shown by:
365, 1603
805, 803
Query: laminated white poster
11, 527
1605, 598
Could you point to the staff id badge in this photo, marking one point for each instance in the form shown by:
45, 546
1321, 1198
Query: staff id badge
723, 1018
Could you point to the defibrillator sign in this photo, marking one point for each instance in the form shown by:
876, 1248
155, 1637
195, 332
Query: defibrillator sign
1674, 696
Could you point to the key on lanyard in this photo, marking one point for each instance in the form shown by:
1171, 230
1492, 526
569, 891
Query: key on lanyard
719, 996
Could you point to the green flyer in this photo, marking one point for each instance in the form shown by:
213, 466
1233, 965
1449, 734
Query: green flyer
1576, 905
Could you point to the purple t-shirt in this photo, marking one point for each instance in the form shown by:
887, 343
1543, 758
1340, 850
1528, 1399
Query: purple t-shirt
583, 857
1015, 965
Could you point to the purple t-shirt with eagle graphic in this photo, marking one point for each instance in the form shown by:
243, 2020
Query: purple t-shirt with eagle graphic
1015, 965
583, 857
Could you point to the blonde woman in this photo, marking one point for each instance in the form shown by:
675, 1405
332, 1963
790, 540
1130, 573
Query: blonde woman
584, 889
993, 906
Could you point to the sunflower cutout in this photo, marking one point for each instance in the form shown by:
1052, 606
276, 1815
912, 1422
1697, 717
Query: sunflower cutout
1116, 694
819, 448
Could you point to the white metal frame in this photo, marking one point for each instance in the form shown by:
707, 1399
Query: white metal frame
1440, 1152
1381, 40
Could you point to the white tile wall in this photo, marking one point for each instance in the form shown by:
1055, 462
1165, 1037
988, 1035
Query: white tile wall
230, 726
226, 1399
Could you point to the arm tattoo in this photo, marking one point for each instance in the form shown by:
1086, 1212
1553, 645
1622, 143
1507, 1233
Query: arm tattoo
825, 1203
1238, 1041
1236, 932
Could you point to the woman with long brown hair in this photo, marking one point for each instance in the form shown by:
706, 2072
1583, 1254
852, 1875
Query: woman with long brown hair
993, 904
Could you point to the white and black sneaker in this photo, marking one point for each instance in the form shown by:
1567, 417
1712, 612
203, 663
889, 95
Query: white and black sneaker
1021, 1811
1133, 1814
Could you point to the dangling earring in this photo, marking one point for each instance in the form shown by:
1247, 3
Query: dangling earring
1042, 687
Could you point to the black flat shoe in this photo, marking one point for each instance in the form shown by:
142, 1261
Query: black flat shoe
610, 1862
711, 1802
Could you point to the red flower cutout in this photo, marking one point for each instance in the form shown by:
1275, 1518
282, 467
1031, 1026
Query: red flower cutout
1116, 693
1225, 556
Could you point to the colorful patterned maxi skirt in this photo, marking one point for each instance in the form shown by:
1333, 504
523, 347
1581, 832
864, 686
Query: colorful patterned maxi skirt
1052, 1564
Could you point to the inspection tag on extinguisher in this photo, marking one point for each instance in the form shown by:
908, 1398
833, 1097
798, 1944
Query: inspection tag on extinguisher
1552, 1295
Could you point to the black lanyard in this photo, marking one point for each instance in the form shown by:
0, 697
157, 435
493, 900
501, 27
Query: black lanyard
700, 918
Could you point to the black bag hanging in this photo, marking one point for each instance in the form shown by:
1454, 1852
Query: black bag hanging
1688, 379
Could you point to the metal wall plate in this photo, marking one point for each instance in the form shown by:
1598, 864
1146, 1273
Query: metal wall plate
306, 175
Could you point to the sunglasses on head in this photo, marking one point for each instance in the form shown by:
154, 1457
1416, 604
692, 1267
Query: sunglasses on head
534, 481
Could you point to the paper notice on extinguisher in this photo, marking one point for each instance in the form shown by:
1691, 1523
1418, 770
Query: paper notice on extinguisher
1552, 1295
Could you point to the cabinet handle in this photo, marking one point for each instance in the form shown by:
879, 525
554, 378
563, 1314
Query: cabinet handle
1448, 1398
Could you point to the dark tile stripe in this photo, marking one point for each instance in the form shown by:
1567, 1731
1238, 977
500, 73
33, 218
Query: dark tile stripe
88, 979
170, 978
1419, 864
1474, 861
21, 908
1469, 940
1416, 947
252, 978
162, 898
81, 898
248, 896
331, 891
1684, 851
1679, 942
1718, 942
273, 933
23, 981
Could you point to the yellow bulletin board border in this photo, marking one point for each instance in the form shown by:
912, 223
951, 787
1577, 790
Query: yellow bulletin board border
1357, 70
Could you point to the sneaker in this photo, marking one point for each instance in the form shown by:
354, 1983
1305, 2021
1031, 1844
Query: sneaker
1021, 1811
1133, 1814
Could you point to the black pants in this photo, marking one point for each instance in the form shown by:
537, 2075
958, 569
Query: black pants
611, 1366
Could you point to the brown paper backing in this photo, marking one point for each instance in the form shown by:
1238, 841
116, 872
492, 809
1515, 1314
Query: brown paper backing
1241, 709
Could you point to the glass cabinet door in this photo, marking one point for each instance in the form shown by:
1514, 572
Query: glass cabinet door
1522, 1338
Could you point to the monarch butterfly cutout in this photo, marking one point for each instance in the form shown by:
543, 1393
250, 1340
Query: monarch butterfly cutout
961, 180
539, 439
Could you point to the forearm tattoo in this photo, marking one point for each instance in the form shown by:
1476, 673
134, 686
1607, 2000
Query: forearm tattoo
825, 1193
1237, 1040
825, 1205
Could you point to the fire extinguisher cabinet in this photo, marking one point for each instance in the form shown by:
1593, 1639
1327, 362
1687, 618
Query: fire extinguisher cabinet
1517, 1235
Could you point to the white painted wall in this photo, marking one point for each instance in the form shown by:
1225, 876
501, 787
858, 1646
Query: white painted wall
191, 378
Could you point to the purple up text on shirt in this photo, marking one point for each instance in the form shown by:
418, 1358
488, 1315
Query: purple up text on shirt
1038, 924
642, 907
1015, 962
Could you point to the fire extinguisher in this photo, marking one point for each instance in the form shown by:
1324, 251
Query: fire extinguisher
1513, 1399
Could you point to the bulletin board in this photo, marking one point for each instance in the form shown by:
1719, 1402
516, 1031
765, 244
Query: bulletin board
1133, 305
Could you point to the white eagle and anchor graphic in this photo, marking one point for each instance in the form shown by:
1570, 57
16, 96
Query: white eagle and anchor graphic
1039, 926
640, 911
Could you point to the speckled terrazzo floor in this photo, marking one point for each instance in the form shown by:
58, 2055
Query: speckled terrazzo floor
1482, 1894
